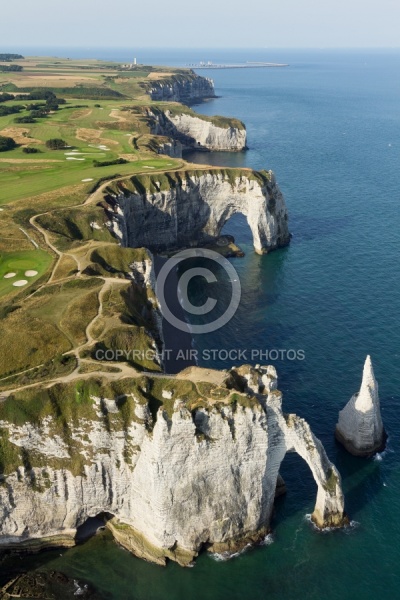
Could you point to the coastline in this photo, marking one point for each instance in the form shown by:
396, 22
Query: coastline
323, 238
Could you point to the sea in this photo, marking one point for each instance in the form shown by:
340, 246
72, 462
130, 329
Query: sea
328, 125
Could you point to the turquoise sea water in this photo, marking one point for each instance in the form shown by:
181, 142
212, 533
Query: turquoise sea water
329, 126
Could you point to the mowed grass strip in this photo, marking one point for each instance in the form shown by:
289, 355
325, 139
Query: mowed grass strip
19, 263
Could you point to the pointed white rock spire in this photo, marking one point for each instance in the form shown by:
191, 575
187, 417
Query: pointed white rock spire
360, 427
368, 395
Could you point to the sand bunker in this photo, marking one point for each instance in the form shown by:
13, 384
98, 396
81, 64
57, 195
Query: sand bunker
78, 154
73, 158
9, 275
99, 147
31, 273
85, 180
20, 283
93, 136
20, 135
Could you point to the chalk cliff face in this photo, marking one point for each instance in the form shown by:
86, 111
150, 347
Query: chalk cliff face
178, 464
186, 88
201, 133
360, 428
171, 148
189, 208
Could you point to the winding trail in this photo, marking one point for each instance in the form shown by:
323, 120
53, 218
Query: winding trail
125, 369
194, 374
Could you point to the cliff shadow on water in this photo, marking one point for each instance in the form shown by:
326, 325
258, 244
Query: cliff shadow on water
180, 348
301, 489
177, 343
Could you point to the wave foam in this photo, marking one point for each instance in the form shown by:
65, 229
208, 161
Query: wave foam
381, 455
224, 556
351, 525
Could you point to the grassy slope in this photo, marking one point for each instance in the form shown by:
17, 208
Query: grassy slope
34, 183
36, 328
45, 325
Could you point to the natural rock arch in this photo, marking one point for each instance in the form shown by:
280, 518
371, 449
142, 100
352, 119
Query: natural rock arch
178, 210
196, 472
329, 505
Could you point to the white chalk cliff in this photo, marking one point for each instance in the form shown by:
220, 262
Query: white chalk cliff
176, 471
199, 132
186, 87
360, 428
189, 208
171, 147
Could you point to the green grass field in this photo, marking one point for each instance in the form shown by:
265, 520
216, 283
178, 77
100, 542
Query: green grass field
84, 129
39, 330
19, 263
19, 181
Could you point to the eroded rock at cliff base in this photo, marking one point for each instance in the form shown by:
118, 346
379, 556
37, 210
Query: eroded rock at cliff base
179, 464
46, 585
360, 428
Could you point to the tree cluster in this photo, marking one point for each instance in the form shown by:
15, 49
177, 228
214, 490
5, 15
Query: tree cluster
6, 143
7, 56
4, 97
14, 68
9, 110
56, 144
108, 163
29, 150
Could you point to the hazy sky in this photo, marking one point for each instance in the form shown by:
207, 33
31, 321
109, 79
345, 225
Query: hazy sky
200, 24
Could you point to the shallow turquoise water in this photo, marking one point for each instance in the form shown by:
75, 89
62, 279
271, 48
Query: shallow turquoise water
329, 126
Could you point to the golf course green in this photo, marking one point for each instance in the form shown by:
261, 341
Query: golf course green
20, 263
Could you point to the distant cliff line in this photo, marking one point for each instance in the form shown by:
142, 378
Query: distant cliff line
183, 87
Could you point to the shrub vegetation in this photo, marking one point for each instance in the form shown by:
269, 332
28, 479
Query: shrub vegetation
6, 143
108, 163
56, 144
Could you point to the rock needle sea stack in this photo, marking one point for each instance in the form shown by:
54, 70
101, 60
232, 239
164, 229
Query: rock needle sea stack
360, 427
